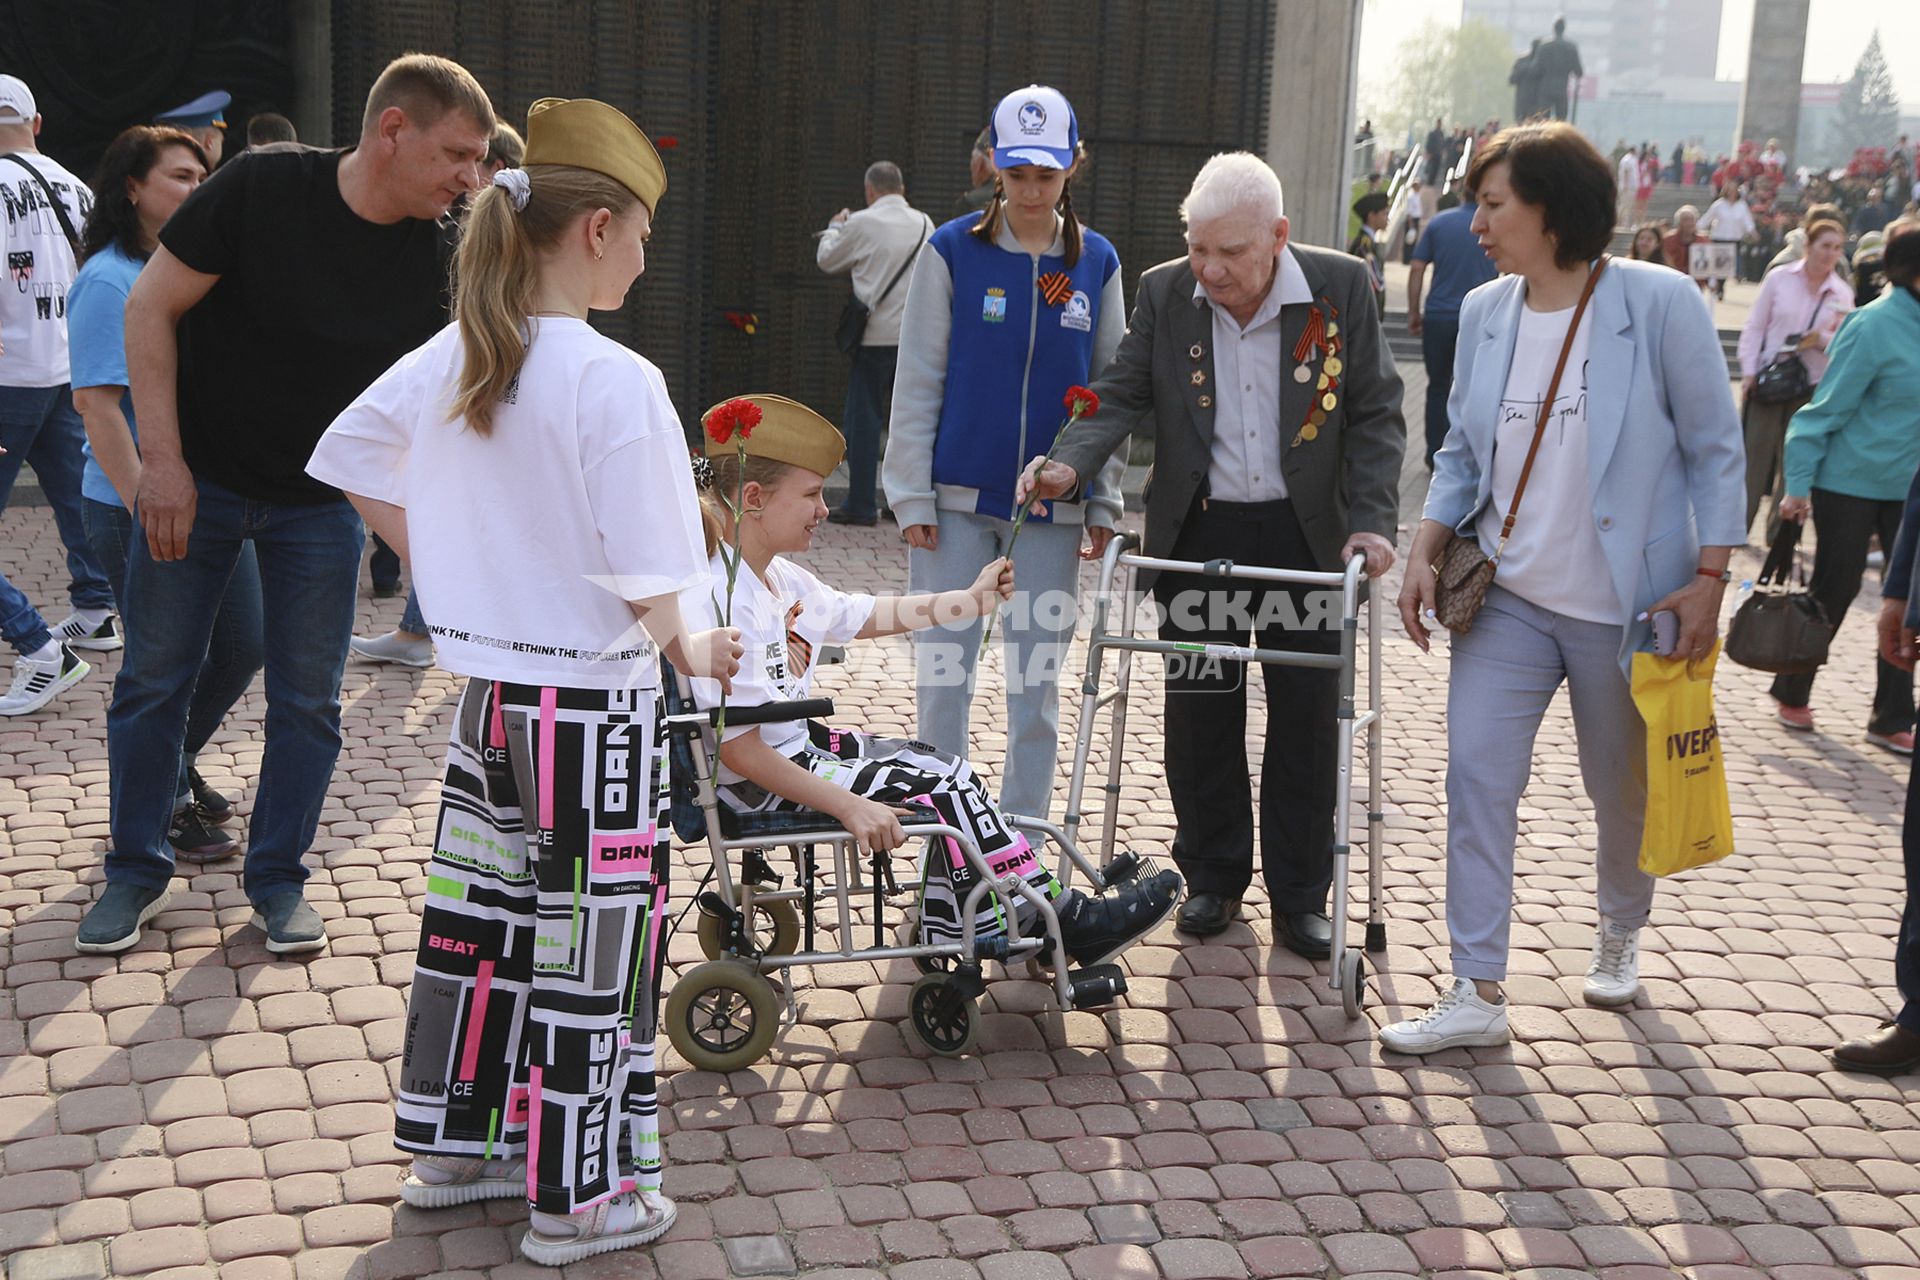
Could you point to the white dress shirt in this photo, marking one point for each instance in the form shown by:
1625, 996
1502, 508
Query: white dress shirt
875, 243
1246, 391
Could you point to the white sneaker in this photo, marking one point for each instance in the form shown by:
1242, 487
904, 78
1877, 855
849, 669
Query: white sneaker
1614, 976
395, 646
76, 631
36, 683
436, 1182
1459, 1020
628, 1219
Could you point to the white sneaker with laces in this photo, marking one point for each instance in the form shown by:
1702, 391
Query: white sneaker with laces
36, 682
436, 1182
1461, 1019
98, 631
1613, 978
628, 1219
394, 646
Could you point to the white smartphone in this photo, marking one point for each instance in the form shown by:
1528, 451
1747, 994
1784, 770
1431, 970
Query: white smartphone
1666, 632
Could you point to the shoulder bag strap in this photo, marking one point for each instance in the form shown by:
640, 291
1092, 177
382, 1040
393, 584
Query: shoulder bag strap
59, 208
903, 266
1546, 406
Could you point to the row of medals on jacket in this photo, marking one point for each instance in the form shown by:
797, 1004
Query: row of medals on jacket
1322, 335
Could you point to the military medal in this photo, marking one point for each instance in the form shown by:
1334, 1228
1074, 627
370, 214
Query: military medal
1198, 378
1301, 373
1322, 332
1196, 351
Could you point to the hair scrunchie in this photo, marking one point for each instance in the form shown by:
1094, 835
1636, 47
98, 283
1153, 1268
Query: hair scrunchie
517, 185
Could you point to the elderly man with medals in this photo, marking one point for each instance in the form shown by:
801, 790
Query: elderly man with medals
1261, 368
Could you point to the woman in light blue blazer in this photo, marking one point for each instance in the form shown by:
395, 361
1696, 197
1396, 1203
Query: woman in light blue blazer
1633, 506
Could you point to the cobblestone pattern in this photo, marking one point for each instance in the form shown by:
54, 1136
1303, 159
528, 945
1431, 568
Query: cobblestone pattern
196, 1108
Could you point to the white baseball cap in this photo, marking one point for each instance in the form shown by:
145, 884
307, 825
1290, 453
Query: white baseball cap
1035, 125
15, 97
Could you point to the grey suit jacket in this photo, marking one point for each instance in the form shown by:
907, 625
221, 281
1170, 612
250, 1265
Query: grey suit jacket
1344, 480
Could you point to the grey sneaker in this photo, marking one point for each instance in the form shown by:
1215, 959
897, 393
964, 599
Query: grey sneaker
113, 923
628, 1219
438, 1181
395, 646
289, 923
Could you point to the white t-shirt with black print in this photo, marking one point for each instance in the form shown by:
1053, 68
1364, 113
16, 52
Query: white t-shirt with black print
527, 544
1553, 559
40, 266
783, 622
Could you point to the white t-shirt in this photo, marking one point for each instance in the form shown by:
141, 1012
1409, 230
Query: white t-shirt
783, 622
1728, 220
1553, 558
40, 266
1628, 177
527, 543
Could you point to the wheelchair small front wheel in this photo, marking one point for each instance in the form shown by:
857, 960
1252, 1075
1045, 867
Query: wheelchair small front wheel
1353, 981
722, 1016
910, 937
946, 1019
774, 929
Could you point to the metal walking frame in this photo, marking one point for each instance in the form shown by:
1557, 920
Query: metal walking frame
723, 1015
1347, 971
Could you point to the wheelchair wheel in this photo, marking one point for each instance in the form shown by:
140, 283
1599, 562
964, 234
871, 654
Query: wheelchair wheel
722, 1016
775, 929
910, 936
945, 1018
1353, 981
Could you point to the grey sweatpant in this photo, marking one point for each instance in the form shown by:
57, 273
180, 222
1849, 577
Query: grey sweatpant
1505, 672
1034, 630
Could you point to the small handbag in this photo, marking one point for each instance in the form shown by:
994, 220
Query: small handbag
852, 329
1780, 628
1785, 377
1463, 573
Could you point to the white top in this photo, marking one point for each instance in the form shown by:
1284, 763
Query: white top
1554, 558
1414, 205
874, 244
1245, 465
783, 622
528, 543
1728, 220
1628, 177
40, 266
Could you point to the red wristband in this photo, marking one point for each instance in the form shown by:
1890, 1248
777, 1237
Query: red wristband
1718, 575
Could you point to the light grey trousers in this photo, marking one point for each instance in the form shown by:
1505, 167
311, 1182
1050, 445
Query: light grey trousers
1034, 629
1505, 672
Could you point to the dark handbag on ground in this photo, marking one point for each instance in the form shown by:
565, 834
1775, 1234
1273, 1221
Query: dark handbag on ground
1780, 628
1463, 573
852, 329
1785, 377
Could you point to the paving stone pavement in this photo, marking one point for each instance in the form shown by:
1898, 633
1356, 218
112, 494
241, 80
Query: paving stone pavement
196, 1108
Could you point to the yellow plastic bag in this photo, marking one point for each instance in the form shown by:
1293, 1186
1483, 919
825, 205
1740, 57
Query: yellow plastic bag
1689, 820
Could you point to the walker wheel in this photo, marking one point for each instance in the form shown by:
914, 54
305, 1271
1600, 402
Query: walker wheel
774, 930
944, 1017
722, 1016
1353, 981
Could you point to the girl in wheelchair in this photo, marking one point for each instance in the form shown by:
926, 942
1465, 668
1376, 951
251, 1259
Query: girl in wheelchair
865, 781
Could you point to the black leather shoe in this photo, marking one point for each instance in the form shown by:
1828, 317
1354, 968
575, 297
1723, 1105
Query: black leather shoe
1206, 914
1305, 933
839, 516
1892, 1050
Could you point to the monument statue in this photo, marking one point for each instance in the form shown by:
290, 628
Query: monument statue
1555, 63
1525, 79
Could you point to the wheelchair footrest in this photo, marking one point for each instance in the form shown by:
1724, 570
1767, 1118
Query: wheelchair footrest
1100, 985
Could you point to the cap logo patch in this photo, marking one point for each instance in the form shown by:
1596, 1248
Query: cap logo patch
1033, 117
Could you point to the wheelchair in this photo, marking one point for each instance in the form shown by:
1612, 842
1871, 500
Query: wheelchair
723, 1015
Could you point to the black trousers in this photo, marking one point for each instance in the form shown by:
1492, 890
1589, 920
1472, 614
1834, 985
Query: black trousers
1206, 711
1906, 953
1845, 525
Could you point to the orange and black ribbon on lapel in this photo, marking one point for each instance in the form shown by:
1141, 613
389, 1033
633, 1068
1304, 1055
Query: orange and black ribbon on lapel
799, 650
1056, 287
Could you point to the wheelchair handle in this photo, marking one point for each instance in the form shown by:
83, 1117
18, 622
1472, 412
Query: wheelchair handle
774, 712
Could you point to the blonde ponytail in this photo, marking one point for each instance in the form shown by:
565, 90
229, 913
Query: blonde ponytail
497, 272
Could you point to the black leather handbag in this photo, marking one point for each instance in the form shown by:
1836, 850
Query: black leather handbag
1785, 377
1780, 628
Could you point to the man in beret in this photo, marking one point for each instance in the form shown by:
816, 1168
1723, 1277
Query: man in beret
281, 289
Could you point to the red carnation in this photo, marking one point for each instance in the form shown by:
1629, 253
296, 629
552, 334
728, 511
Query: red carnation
1081, 402
735, 415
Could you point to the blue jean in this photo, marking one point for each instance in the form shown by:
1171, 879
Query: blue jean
309, 562
38, 426
1439, 336
234, 653
384, 565
869, 401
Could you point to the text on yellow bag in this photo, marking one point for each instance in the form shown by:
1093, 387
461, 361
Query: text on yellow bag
1689, 820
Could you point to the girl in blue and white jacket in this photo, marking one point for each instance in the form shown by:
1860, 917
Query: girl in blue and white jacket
1006, 310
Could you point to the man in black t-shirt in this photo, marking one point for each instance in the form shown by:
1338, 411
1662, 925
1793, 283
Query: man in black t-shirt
281, 289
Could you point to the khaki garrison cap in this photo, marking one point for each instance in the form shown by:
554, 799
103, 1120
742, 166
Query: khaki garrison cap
592, 135
788, 432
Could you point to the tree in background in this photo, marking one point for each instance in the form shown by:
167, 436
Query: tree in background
1869, 114
1456, 73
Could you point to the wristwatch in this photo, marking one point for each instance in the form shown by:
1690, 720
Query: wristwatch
1724, 575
